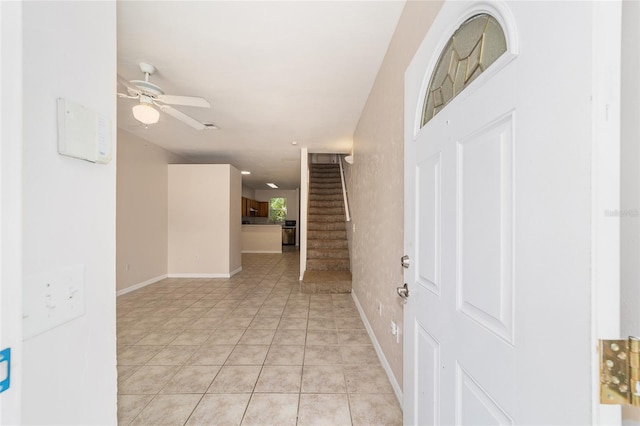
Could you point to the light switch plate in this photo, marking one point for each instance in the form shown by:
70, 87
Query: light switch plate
52, 298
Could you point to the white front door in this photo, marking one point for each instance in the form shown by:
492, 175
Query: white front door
500, 218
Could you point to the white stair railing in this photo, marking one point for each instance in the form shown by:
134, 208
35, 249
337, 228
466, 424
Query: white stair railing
344, 190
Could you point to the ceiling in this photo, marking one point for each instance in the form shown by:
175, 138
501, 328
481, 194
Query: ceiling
274, 72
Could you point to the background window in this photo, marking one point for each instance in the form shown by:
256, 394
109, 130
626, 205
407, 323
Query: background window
277, 209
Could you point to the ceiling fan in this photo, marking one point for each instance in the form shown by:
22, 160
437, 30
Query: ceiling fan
150, 95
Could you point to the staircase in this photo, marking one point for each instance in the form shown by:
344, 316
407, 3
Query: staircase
328, 266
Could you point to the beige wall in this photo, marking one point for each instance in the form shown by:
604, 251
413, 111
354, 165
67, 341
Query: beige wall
141, 215
261, 239
202, 232
248, 192
377, 184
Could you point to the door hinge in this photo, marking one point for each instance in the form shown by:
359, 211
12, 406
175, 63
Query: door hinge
620, 372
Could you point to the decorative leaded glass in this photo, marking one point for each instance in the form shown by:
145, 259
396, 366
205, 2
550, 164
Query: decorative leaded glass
473, 47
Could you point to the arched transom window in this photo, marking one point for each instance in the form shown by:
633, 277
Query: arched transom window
475, 45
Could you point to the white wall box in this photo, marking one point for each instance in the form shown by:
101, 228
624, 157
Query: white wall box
83, 133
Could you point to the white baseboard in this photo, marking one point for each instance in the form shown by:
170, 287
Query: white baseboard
235, 271
140, 285
383, 360
262, 251
199, 275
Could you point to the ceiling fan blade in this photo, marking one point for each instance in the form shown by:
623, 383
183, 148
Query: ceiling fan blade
184, 100
182, 117
124, 95
131, 88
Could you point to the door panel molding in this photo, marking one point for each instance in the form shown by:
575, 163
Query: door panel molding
485, 292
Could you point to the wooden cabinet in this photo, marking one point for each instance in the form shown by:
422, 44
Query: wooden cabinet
263, 209
254, 208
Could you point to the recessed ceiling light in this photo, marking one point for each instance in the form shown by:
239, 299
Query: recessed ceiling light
245, 172
272, 185
294, 143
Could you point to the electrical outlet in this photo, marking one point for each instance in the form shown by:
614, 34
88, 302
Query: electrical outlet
126, 267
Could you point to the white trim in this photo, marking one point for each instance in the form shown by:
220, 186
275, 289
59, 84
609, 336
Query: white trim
162, 277
344, 190
198, 275
261, 251
140, 285
383, 360
304, 207
605, 193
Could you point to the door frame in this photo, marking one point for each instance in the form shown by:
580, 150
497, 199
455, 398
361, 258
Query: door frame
605, 160
605, 196
11, 203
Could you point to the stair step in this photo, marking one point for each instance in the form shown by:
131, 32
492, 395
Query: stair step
328, 253
326, 185
326, 226
326, 197
328, 203
321, 216
325, 173
326, 235
324, 165
313, 244
328, 264
327, 210
325, 191
326, 282
334, 171
327, 179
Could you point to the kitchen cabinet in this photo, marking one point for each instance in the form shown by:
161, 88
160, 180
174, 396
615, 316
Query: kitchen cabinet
254, 208
263, 209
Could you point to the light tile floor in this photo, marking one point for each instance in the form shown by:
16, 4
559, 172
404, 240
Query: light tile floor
248, 350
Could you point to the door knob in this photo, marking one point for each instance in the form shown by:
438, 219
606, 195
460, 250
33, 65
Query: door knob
403, 291
404, 261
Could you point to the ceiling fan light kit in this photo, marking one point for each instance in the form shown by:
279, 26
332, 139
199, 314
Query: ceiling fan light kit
145, 113
151, 95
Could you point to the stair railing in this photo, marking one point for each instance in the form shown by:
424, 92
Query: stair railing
344, 190
304, 207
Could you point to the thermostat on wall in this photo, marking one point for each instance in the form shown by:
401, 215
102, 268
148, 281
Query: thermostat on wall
82, 133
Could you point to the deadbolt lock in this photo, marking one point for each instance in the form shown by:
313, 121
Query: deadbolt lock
620, 372
405, 262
